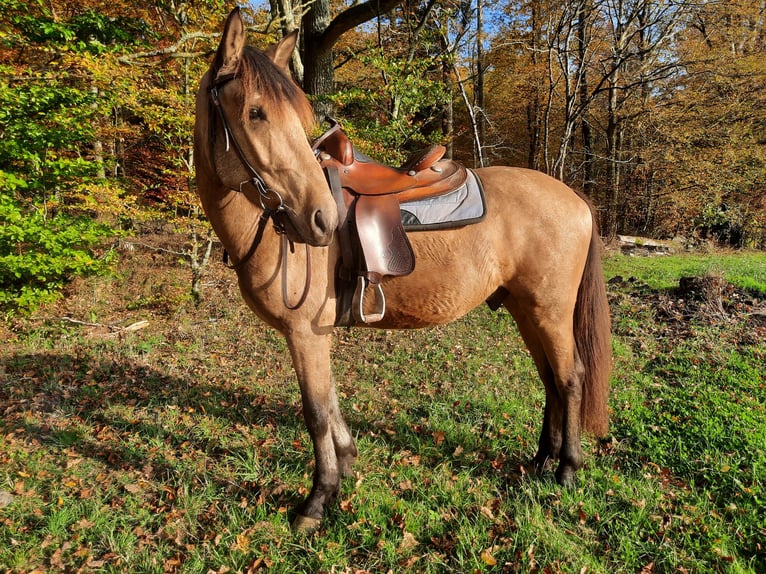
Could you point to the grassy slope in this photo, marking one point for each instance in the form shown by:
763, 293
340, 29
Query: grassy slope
180, 447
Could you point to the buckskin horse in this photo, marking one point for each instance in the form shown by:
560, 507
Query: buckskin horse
537, 252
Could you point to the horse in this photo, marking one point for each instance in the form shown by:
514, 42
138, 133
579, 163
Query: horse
538, 246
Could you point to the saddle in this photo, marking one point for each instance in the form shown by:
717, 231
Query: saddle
373, 241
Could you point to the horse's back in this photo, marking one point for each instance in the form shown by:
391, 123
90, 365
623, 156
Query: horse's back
534, 197
536, 232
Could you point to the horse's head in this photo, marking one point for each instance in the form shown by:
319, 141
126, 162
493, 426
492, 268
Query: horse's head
256, 134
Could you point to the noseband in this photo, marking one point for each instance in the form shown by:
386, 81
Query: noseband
276, 214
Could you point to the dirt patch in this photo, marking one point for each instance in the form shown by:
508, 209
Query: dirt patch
698, 302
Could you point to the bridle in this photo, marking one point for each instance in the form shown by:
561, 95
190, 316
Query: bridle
265, 194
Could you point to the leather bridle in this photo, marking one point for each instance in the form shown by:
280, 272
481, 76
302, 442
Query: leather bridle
255, 178
276, 214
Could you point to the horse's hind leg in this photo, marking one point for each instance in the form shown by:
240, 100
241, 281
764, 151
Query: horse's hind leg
553, 349
334, 448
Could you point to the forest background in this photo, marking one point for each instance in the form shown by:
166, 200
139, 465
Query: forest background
656, 109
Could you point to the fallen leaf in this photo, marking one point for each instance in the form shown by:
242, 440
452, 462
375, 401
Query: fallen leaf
408, 541
5, 498
531, 556
486, 512
487, 558
242, 543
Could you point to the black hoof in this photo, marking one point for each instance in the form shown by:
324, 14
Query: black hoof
306, 524
565, 476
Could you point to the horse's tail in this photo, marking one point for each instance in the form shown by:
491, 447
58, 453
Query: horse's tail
592, 326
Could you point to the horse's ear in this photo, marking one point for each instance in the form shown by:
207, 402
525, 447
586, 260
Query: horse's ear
232, 42
281, 53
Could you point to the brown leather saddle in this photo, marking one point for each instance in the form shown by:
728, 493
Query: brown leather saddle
373, 241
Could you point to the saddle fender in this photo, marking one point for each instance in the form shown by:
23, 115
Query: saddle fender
368, 194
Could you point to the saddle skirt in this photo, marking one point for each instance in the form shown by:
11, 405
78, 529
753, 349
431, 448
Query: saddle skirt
369, 196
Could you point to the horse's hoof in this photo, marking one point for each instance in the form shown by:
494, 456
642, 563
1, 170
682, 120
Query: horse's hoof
565, 476
306, 524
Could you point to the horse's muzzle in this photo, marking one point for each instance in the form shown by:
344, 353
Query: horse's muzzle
323, 224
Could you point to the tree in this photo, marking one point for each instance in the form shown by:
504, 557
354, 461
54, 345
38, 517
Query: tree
321, 31
54, 202
707, 145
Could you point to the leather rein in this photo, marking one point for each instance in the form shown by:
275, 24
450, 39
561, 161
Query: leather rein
276, 214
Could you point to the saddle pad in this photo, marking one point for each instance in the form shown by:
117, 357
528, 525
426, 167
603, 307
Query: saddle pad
464, 206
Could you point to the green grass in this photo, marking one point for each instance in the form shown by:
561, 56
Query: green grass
744, 269
181, 447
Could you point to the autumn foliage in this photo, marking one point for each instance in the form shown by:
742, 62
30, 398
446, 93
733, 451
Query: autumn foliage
656, 110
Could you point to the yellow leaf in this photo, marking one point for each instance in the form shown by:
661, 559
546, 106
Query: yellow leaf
487, 558
242, 543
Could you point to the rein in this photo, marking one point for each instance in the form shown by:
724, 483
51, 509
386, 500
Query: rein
264, 191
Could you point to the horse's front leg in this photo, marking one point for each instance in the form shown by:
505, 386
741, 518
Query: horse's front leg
334, 448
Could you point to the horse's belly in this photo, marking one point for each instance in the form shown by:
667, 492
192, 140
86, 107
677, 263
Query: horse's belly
425, 299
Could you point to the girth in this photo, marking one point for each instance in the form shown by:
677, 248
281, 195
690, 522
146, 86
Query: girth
368, 194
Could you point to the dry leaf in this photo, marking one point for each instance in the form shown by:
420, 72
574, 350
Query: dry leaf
242, 543
487, 558
408, 541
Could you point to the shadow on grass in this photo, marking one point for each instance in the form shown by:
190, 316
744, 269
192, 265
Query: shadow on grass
113, 409
137, 418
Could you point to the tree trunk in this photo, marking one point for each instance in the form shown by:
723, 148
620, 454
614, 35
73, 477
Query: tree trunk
481, 123
585, 132
320, 33
448, 120
98, 146
534, 106
613, 177
318, 73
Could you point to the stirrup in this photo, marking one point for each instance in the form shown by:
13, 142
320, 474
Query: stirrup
357, 303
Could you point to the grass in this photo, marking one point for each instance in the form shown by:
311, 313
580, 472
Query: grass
181, 448
744, 269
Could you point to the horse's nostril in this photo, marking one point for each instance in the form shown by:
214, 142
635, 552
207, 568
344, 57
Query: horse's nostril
321, 222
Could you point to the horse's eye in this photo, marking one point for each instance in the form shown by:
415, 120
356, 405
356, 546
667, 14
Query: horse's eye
256, 114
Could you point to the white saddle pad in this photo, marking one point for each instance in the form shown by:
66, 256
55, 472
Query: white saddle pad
457, 208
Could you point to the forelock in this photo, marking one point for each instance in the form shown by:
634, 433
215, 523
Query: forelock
259, 74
